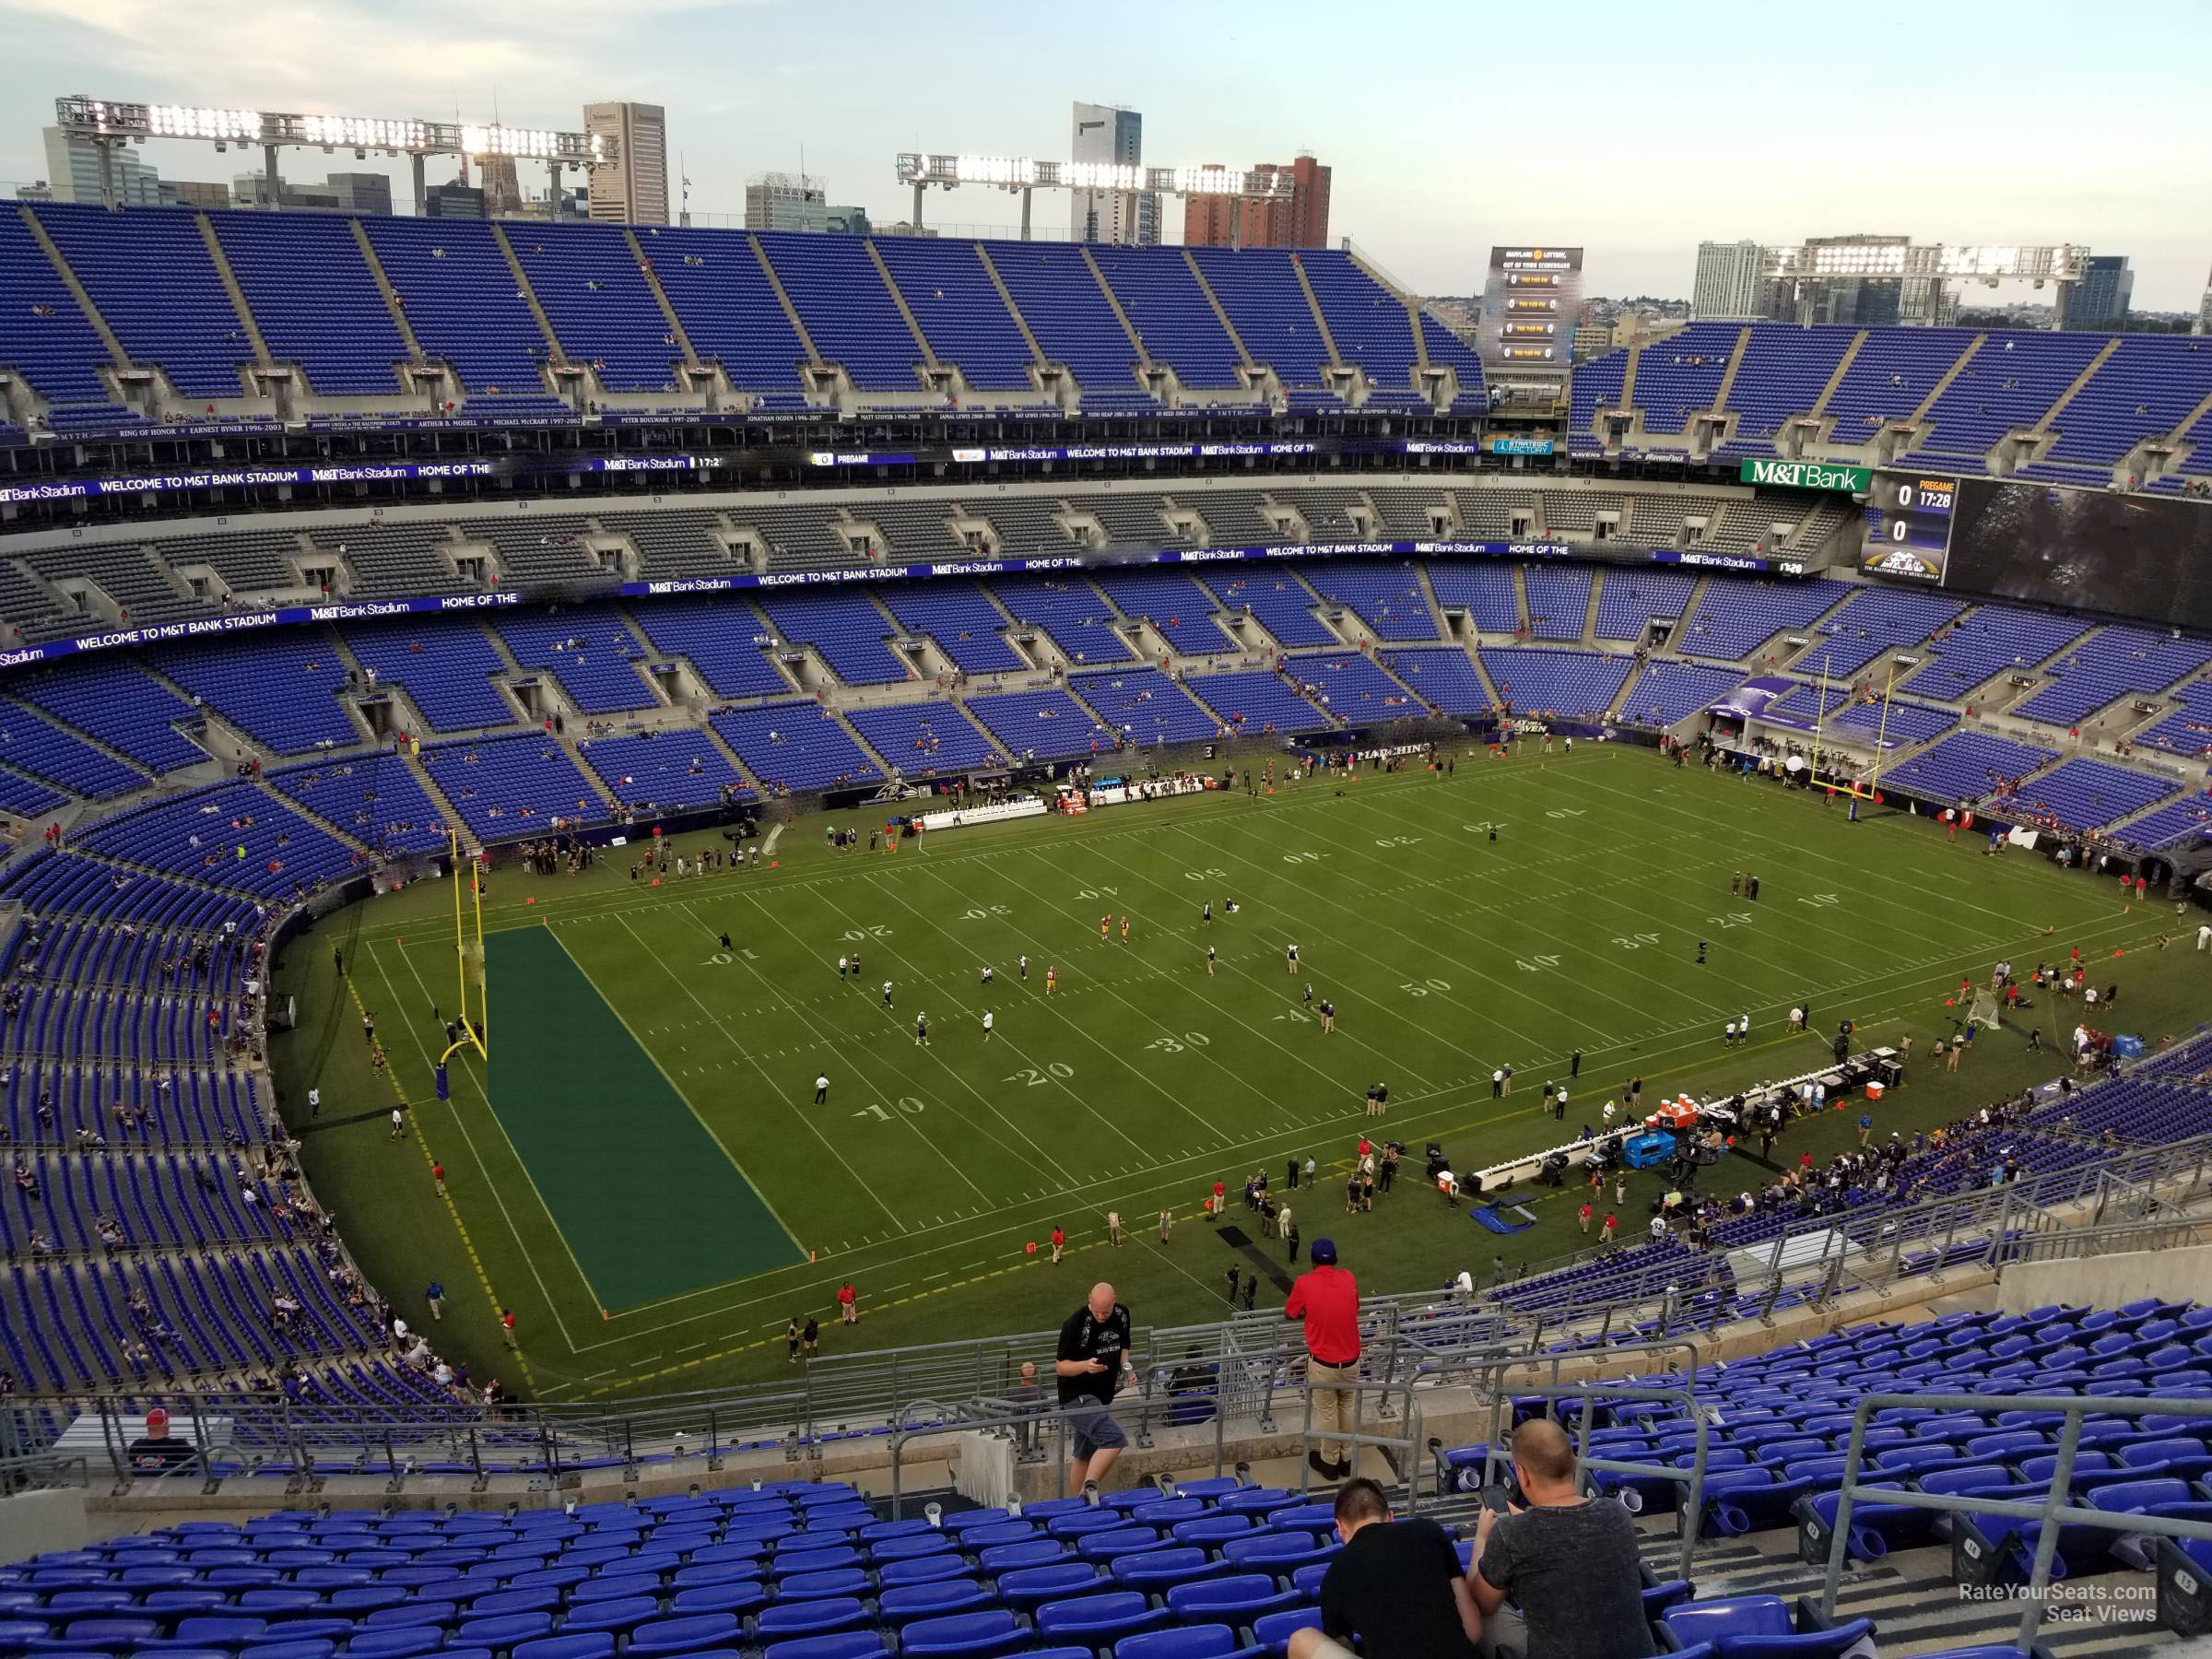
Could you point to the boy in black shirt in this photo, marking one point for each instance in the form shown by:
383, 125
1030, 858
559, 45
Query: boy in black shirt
1092, 1356
1395, 1588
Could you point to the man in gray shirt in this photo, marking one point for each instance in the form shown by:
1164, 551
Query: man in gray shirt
1568, 1562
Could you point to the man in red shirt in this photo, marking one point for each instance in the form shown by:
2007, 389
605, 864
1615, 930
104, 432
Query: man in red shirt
1327, 1298
1059, 1243
848, 1303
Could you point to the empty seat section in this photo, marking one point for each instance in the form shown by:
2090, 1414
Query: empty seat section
2112, 664
50, 342
1259, 290
1986, 640
1167, 308
1571, 685
1559, 600
925, 740
1680, 375
1071, 611
446, 669
2089, 795
1368, 321
1350, 686
846, 629
587, 282
729, 312
794, 746
961, 617
664, 771
945, 286
462, 303
1737, 615
1630, 600
1040, 725
1174, 603
1442, 677
2006, 386
1059, 298
848, 313
234, 835
590, 651
1782, 375
1277, 601
1893, 372
1484, 592
34, 746
1666, 693
280, 686
1144, 706
315, 300
1967, 766
518, 785
1386, 596
128, 710
721, 638
150, 275
375, 799
1255, 701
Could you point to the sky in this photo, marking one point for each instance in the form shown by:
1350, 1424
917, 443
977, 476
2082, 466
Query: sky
1635, 131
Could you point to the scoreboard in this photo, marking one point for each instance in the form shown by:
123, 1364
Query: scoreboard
1909, 525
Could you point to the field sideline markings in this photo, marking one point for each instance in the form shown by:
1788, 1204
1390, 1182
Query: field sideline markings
1428, 1110
1024, 1262
697, 1116
430, 1162
484, 1092
773, 1090
1168, 931
1892, 973
1090, 1036
945, 1064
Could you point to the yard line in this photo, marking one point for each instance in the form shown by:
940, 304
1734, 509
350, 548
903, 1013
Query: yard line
468, 1071
712, 1134
945, 1065
1427, 1110
1519, 918
1508, 990
1860, 871
1083, 1031
765, 1078
1210, 1003
831, 1040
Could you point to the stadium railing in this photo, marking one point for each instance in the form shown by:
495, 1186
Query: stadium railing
2050, 1513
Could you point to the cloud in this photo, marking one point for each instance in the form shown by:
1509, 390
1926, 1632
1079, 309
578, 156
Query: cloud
393, 57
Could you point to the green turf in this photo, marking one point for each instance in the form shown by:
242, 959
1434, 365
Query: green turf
647, 1201
1143, 1080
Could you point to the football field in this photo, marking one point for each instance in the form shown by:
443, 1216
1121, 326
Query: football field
644, 1171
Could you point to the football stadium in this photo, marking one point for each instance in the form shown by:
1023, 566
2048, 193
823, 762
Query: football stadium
736, 941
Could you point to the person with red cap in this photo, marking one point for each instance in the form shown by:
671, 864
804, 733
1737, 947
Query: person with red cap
158, 1451
1327, 1298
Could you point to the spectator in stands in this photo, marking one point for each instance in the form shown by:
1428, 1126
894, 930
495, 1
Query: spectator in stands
158, 1451
1568, 1564
1395, 1588
1327, 1298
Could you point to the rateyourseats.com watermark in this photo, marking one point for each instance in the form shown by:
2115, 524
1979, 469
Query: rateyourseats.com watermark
2076, 1604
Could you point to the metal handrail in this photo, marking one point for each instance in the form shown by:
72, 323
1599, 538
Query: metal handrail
2051, 1512
1589, 1393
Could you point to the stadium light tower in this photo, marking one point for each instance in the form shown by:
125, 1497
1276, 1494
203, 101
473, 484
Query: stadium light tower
1924, 273
108, 124
921, 170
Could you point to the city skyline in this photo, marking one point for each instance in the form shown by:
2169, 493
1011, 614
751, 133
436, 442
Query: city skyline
1620, 157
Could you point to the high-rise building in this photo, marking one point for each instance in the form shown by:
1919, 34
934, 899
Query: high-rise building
634, 191
780, 201
251, 190
1302, 221
1107, 134
2204, 309
502, 188
361, 192
195, 193
73, 171
2100, 299
453, 201
1726, 286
